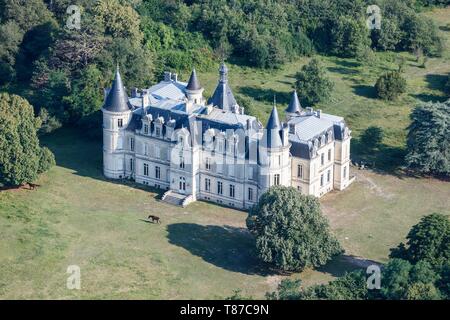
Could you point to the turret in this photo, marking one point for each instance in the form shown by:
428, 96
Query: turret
194, 91
294, 108
274, 161
117, 113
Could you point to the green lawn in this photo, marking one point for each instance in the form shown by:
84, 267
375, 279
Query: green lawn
78, 218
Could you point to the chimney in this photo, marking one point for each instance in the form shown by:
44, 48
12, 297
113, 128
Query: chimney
309, 111
145, 98
167, 76
134, 92
175, 77
318, 113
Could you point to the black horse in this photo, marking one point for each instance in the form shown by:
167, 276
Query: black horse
154, 218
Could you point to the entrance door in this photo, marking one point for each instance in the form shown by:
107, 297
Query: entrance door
182, 185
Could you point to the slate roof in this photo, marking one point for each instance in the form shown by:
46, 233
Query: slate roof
272, 137
294, 105
223, 97
193, 83
117, 98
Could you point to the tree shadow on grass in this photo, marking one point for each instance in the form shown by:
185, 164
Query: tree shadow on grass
82, 154
365, 91
266, 95
226, 247
383, 159
436, 81
342, 264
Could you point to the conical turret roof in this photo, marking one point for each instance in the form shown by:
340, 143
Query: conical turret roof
223, 97
272, 132
193, 83
294, 105
117, 99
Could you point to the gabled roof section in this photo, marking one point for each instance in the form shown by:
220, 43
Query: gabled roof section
294, 105
117, 99
193, 83
223, 97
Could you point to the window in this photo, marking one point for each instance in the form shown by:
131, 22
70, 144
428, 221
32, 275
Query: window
146, 128
299, 189
279, 160
322, 158
146, 149
146, 169
220, 146
250, 194
120, 123
157, 152
329, 154
131, 144
300, 171
158, 131
250, 173
208, 164
219, 187
207, 184
276, 179
131, 164
158, 173
345, 172
181, 162
231, 190
328, 175
321, 180
182, 184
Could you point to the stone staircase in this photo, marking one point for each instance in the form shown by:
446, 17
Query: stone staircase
176, 199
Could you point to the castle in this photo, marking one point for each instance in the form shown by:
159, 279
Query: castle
169, 136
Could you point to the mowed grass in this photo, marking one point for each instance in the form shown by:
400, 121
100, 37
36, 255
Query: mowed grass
204, 251
78, 218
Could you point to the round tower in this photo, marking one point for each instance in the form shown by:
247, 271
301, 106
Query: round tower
194, 90
274, 161
117, 113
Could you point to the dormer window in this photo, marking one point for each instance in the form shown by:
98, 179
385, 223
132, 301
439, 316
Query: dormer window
292, 128
145, 128
120, 123
158, 131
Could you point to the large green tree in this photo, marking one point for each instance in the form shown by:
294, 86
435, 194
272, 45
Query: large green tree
429, 241
428, 139
290, 230
313, 84
21, 157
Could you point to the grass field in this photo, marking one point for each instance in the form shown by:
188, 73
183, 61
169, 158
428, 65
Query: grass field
78, 218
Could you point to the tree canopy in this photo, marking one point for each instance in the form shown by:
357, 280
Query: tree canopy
291, 232
21, 157
428, 139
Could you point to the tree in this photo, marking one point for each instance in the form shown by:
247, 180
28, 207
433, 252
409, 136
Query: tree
120, 20
46, 160
313, 84
428, 241
291, 232
349, 37
390, 85
21, 158
86, 97
447, 85
372, 137
351, 286
10, 39
427, 144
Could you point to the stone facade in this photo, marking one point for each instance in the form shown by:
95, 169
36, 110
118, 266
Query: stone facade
170, 137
